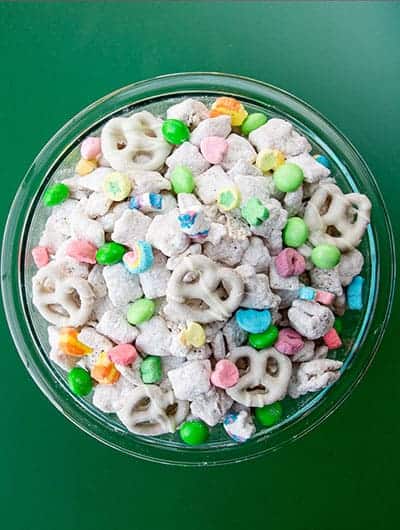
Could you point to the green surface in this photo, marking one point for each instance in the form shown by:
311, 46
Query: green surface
344, 59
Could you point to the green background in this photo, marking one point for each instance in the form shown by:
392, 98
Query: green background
344, 59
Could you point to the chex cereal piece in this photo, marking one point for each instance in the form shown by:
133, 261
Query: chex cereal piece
114, 325
191, 379
122, 286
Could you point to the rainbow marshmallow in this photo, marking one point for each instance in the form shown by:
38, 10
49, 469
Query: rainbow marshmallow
140, 258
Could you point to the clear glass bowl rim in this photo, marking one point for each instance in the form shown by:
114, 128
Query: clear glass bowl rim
36, 180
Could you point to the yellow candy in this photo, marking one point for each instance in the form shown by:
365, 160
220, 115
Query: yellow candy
193, 335
68, 343
84, 167
228, 199
269, 159
117, 186
230, 106
104, 370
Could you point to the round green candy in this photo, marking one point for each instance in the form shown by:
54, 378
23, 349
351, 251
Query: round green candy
269, 415
79, 381
288, 177
56, 194
140, 311
295, 232
253, 122
175, 131
325, 256
110, 253
182, 180
194, 432
150, 369
265, 339
338, 325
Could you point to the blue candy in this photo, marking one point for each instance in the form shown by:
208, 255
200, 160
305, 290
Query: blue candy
307, 293
253, 320
354, 293
146, 202
323, 160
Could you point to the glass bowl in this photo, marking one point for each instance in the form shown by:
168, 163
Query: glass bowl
363, 330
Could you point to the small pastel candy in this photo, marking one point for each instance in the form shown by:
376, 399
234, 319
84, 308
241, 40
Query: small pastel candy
117, 186
230, 106
354, 293
254, 212
140, 311
194, 335
253, 320
124, 354
182, 180
225, 374
40, 256
266, 339
213, 148
288, 177
79, 381
323, 160
239, 426
84, 167
56, 194
147, 202
110, 253
332, 339
175, 132
325, 256
295, 232
140, 258
289, 262
269, 415
289, 341
269, 160
307, 293
91, 148
194, 432
253, 122
228, 199
81, 250
324, 297
69, 344
104, 370
151, 370
194, 222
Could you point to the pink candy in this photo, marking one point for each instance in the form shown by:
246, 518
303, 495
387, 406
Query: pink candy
213, 148
40, 256
289, 341
323, 297
82, 250
90, 148
289, 262
123, 354
332, 339
225, 374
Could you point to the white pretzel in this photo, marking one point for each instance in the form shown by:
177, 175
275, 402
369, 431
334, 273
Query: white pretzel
134, 143
206, 276
329, 207
150, 411
265, 378
62, 300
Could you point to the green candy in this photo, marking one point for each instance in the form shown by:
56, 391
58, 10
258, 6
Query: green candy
253, 122
265, 339
269, 415
56, 194
295, 232
325, 256
288, 177
79, 381
140, 311
194, 432
175, 131
150, 369
110, 253
182, 180
254, 212
338, 325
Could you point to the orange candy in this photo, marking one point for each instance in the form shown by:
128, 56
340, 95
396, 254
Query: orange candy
104, 371
230, 106
68, 343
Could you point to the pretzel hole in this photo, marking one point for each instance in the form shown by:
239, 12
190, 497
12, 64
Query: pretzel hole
197, 303
333, 231
58, 309
190, 277
258, 389
142, 157
325, 205
142, 404
121, 144
48, 286
222, 292
171, 409
272, 367
243, 364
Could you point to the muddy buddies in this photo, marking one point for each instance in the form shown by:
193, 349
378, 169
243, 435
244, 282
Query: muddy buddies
194, 268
